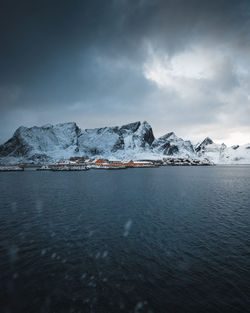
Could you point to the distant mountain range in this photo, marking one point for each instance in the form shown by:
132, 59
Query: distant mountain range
49, 143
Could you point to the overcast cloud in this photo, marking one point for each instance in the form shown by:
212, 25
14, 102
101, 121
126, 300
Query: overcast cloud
182, 65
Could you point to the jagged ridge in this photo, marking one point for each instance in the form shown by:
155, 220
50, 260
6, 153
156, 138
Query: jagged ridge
134, 140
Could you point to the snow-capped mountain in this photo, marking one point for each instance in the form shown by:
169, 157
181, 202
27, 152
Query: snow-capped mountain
42, 143
210, 150
136, 137
221, 154
170, 144
135, 140
53, 142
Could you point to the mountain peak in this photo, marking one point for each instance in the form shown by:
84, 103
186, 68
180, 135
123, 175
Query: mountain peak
135, 140
207, 141
169, 136
145, 123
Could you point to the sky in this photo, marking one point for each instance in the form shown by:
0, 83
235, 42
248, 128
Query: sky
181, 65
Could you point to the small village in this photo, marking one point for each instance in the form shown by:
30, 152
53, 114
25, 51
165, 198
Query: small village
84, 163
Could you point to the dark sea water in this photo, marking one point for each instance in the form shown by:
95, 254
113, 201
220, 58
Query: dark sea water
159, 240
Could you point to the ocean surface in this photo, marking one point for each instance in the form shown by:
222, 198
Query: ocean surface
155, 240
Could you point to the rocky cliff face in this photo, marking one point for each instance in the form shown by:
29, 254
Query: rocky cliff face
202, 146
110, 140
42, 143
170, 144
134, 140
53, 142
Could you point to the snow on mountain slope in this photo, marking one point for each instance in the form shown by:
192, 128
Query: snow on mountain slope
42, 143
109, 140
210, 150
131, 141
236, 155
221, 154
53, 142
170, 144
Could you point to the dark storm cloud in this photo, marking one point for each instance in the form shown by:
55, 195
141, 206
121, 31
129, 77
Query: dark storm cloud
35, 34
83, 60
